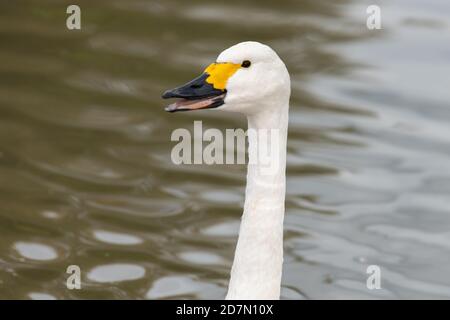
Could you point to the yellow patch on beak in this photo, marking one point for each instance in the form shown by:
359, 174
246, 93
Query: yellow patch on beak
219, 73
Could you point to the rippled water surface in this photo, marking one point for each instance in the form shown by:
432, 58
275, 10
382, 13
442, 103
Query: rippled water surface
85, 170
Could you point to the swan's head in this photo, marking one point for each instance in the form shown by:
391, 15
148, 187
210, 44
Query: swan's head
247, 77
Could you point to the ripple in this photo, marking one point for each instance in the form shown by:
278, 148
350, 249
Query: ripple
116, 273
413, 235
103, 83
245, 16
177, 286
35, 251
221, 196
51, 214
41, 296
116, 238
126, 45
223, 229
201, 257
136, 206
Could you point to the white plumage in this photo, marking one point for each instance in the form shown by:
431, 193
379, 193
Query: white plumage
262, 94
251, 79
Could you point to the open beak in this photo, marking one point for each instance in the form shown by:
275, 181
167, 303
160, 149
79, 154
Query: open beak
194, 95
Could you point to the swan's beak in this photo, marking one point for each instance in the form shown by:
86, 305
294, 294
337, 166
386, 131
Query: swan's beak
204, 92
196, 94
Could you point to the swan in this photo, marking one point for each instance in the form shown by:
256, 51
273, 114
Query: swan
251, 79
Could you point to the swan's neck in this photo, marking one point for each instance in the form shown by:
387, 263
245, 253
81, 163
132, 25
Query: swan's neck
257, 266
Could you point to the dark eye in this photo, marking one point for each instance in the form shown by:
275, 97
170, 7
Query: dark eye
246, 64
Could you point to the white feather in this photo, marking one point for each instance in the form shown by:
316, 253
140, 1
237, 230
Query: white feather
261, 92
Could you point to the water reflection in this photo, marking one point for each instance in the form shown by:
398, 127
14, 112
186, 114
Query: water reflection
41, 296
116, 273
35, 251
116, 238
182, 287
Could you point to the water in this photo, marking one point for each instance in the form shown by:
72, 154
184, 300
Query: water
85, 171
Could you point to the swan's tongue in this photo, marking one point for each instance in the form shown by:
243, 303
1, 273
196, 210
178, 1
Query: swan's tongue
204, 103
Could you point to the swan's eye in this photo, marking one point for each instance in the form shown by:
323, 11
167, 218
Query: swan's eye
246, 64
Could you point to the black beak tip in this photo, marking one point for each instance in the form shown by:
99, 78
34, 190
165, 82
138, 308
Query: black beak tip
167, 94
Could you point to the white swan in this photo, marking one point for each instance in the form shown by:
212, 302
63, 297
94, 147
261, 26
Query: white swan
251, 79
